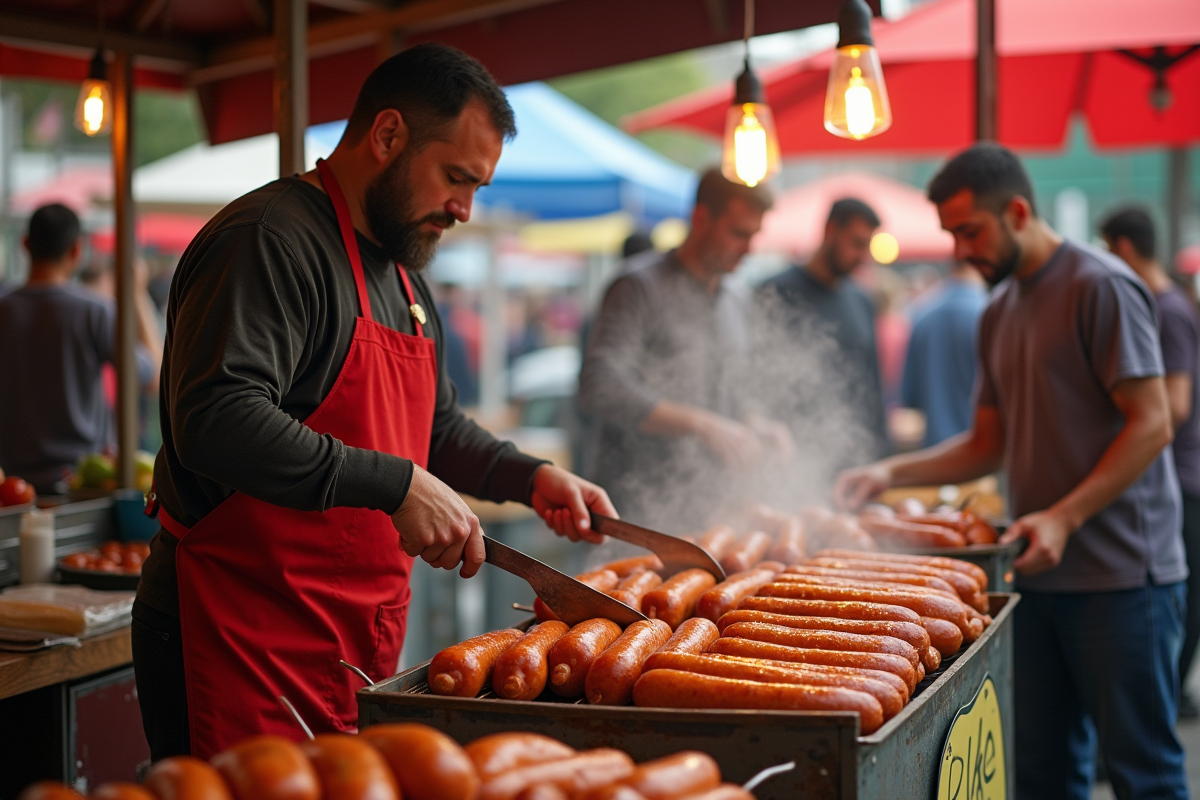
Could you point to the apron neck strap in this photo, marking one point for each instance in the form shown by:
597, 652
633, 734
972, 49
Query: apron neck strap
349, 241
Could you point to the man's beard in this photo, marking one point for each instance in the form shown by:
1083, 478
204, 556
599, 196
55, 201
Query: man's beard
995, 272
836, 267
389, 211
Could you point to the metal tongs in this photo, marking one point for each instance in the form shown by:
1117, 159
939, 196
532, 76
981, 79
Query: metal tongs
572, 601
676, 554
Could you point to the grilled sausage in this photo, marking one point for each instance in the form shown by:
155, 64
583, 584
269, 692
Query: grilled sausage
349, 768
501, 752
675, 600
574, 775
910, 534
615, 791
718, 540
463, 669
981, 533
843, 530
521, 670
669, 688
872, 576
964, 586
956, 564
726, 595
674, 776
840, 609
845, 580
891, 699
749, 648
427, 763
611, 678
789, 542
910, 632
945, 636
726, 791
185, 778
631, 590
543, 791
627, 566
774, 566
571, 656
925, 604
693, 636
824, 640
602, 580
748, 551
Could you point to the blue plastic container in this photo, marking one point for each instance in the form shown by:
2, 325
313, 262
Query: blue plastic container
132, 523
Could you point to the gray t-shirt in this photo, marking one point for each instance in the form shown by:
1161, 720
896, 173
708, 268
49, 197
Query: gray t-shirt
1052, 347
52, 405
661, 335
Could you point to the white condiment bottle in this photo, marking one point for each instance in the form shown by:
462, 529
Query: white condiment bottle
37, 546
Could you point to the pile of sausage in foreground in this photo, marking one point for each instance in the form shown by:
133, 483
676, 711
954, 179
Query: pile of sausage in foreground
844, 630
416, 762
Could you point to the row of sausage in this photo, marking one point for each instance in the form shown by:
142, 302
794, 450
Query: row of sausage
416, 762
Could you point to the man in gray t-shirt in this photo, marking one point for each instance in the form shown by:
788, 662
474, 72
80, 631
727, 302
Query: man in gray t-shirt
1072, 403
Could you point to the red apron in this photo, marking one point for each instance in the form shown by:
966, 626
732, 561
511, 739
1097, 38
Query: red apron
271, 598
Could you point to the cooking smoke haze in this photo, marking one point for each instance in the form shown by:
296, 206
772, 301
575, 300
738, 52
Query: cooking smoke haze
794, 375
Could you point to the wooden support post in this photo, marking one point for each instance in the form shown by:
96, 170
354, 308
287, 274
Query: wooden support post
128, 425
291, 83
986, 93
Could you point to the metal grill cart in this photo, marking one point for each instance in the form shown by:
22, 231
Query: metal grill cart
900, 760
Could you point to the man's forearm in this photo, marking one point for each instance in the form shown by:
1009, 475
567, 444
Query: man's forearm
673, 419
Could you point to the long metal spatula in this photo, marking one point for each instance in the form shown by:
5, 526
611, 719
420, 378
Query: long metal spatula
676, 554
571, 600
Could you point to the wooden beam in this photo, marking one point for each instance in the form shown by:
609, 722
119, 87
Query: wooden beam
145, 13
985, 71
291, 83
338, 35
25, 28
120, 74
354, 6
259, 13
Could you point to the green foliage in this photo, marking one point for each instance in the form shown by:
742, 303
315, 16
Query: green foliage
614, 92
166, 122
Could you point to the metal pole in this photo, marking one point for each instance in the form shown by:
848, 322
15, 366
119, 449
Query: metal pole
985, 71
291, 83
1178, 187
121, 73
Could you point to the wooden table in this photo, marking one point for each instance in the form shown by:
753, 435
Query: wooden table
23, 672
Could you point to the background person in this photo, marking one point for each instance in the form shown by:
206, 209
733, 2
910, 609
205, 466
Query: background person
1073, 404
939, 368
58, 336
1130, 234
666, 369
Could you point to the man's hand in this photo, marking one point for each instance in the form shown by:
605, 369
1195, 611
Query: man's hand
855, 487
1047, 532
775, 436
566, 502
435, 524
735, 443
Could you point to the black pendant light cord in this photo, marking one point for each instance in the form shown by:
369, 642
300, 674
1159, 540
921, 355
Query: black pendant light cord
98, 69
747, 88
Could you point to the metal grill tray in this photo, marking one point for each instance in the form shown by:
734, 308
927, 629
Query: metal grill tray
899, 760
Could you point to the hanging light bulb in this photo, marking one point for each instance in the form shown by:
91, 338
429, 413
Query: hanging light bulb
856, 101
751, 147
93, 111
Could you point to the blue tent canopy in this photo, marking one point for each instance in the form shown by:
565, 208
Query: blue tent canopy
567, 163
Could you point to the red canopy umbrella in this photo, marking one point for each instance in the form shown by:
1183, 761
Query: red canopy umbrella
796, 224
1056, 58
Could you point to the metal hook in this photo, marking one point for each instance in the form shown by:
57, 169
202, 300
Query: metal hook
296, 714
519, 607
357, 672
769, 772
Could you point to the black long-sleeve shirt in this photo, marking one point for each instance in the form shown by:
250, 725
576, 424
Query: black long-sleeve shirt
261, 314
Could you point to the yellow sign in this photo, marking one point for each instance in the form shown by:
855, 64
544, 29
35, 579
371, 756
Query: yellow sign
973, 766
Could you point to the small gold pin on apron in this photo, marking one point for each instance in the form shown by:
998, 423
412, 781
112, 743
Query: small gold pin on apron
418, 313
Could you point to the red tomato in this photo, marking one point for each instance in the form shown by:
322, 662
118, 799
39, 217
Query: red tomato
15, 492
186, 778
49, 790
104, 565
121, 791
75, 561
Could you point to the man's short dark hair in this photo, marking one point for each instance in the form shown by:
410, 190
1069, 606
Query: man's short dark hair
1135, 225
429, 85
715, 191
53, 231
851, 208
991, 171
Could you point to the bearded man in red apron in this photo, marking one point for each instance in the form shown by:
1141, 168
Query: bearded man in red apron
312, 443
